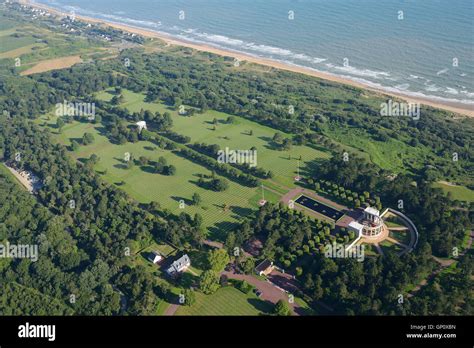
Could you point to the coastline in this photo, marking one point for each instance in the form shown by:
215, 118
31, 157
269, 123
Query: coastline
459, 108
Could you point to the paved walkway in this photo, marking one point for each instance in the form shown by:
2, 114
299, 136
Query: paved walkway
171, 310
270, 292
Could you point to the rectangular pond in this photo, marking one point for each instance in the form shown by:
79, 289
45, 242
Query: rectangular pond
319, 207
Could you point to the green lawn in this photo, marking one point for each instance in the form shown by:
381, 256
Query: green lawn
234, 136
393, 155
401, 236
388, 246
460, 193
226, 301
145, 186
142, 184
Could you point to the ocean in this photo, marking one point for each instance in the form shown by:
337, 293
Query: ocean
421, 48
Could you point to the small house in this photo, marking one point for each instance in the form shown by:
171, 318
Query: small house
155, 257
178, 266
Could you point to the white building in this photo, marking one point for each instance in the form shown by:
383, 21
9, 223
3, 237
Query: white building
356, 228
141, 125
155, 257
372, 215
179, 265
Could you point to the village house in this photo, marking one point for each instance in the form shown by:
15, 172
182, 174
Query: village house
178, 266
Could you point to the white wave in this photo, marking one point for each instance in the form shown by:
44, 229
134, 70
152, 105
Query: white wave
133, 21
403, 87
432, 88
359, 72
441, 72
137, 22
468, 94
250, 46
193, 35
451, 90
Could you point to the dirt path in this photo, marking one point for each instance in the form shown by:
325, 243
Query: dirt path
443, 264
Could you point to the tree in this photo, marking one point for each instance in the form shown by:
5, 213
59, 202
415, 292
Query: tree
196, 198
59, 124
170, 170
143, 160
218, 259
219, 185
230, 242
287, 143
278, 138
282, 308
189, 297
209, 282
249, 265
231, 119
160, 165
87, 138
74, 145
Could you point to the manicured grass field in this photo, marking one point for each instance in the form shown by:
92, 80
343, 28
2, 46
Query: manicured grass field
401, 236
226, 301
235, 136
461, 193
221, 211
388, 246
145, 186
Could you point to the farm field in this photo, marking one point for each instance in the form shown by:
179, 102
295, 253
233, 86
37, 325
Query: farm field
226, 301
38, 48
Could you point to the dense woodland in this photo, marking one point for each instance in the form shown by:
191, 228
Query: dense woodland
372, 287
86, 245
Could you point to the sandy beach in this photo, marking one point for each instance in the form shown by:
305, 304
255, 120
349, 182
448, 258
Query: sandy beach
459, 108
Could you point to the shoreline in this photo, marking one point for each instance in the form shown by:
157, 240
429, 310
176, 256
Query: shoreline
455, 107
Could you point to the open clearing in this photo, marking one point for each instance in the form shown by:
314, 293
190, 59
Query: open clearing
226, 301
221, 211
461, 193
52, 64
235, 136
145, 186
